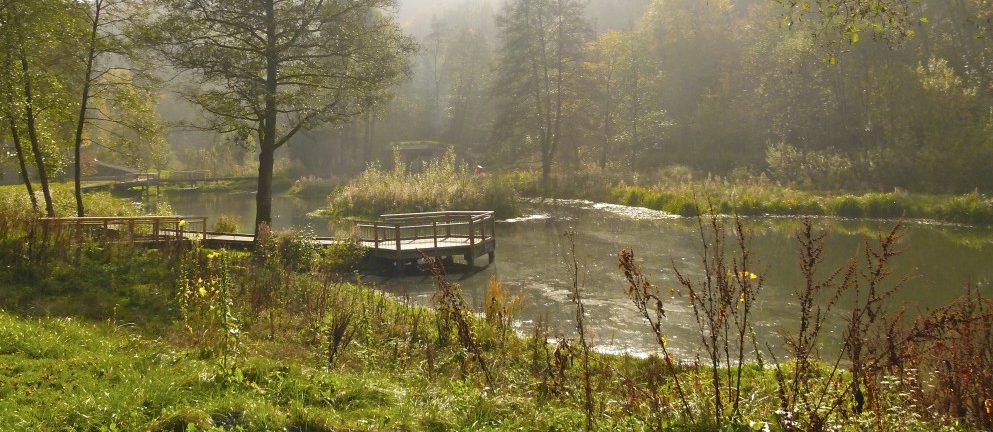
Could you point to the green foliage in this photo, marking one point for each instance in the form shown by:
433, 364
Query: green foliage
227, 224
204, 296
340, 258
970, 208
442, 185
538, 76
14, 201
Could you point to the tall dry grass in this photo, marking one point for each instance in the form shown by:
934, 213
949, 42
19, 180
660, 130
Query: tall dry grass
442, 185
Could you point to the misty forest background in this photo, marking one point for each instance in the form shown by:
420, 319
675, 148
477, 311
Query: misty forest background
721, 87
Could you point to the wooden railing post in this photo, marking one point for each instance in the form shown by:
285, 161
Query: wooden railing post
375, 235
434, 226
472, 233
397, 231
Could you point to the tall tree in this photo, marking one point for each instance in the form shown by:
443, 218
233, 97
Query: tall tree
10, 112
271, 68
123, 93
38, 78
91, 56
606, 61
467, 61
539, 59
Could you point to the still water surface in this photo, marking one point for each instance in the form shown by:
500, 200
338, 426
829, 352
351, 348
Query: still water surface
939, 261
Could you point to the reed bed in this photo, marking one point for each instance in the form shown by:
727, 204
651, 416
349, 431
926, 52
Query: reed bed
441, 185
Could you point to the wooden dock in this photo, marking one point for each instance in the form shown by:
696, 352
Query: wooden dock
399, 238
407, 237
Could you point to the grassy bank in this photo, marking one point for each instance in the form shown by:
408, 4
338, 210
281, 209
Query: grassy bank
64, 374
440, 185
765, 199
678, 192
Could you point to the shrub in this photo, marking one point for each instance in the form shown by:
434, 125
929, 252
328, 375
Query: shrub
885, 205
969, 208
226, 224
340, 257
847, 206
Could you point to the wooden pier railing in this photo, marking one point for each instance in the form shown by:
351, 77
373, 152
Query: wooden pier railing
406, 236
156, 229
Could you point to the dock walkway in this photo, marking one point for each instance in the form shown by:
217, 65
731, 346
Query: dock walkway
399, 238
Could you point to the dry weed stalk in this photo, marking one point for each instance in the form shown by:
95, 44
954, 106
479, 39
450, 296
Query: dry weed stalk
648, 301
722, 304
451, 304
577, 299
340, 329
541, 357
869, 323
945, 359
499, 308
807, 403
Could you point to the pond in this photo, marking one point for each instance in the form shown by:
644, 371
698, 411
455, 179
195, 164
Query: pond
938, 263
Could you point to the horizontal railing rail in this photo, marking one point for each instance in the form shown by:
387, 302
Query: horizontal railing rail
194, 175
427, 230
152, 228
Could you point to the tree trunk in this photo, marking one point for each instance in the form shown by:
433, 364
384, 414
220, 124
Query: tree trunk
606, 137
367, 148
263, 200
15, 135
91, 53
545, 105
77, 177
559, 71
33, 136
22, 163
